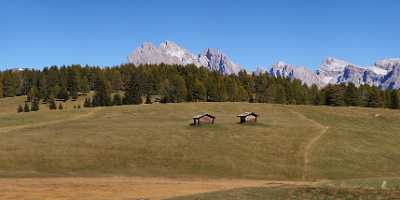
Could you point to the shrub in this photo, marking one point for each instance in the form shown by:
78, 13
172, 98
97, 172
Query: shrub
20, 109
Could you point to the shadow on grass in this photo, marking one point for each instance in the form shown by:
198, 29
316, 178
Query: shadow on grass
212, 126
208, 126
254, 124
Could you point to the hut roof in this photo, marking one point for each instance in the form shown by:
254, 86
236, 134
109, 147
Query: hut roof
245, 114
202, 115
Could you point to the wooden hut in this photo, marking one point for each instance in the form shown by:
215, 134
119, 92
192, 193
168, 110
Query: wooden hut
203, 119
248, 117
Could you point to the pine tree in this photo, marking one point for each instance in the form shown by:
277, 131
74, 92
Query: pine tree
117, 99
148, 99
63, 94
334, 95
394, 99
179, 90
33, 93
20, 108
35, 104
351, 96
314, 95
26, 107
116, 80
231, 89
102, 96
85, 88
1, 88
87, 103
374, 99
52, 103
165, 91
9, 84
133, 91
199, 91
211, 90
73, 81
279, 94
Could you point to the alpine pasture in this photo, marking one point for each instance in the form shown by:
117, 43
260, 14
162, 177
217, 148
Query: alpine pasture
291, 144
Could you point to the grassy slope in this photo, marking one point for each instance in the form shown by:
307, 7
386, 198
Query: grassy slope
256, 193
156, 140
360, 142
284, 193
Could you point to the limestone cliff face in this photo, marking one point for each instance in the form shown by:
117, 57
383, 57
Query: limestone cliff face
170, 53
384, 73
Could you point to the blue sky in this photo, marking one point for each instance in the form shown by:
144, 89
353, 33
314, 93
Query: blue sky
37, 33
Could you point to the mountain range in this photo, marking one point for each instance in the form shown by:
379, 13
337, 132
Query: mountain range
383, 73
170, 53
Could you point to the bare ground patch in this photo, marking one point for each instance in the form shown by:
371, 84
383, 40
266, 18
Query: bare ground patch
126, 188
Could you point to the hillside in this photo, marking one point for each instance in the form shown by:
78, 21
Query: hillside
288, 142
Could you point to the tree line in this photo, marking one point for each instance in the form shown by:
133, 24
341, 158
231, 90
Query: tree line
129, 84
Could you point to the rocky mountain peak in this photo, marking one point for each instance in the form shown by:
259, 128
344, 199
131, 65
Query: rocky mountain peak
282, 69
387, 64
333, 64
170, 53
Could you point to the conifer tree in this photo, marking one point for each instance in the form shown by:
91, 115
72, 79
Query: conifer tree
334, 95
52, 103
84, 86
73, 81
9, 84
87, 103
1, 88
148, 99
179, 91
133, 92
394, 99
20, 108
199, 91
117, 99
63, 94
351, 96
33, 94
314, 95
165, 91
279, 94
116, 80
26, 107
35, 104
102, 96
373, 98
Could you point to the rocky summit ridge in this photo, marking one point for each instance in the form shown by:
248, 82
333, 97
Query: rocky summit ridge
170, 53
383, 73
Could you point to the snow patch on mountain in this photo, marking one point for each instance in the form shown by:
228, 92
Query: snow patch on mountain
378, 70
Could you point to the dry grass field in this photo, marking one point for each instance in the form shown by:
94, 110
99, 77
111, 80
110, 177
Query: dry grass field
289, 143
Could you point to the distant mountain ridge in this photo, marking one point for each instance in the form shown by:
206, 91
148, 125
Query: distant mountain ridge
170, 53
383, 73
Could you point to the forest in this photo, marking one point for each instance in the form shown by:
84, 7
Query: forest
129, 84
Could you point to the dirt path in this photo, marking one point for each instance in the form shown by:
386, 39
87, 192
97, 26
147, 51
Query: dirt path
78, 117
310, 144
124, 188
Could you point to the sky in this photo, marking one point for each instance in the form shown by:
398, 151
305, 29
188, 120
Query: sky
38, 33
